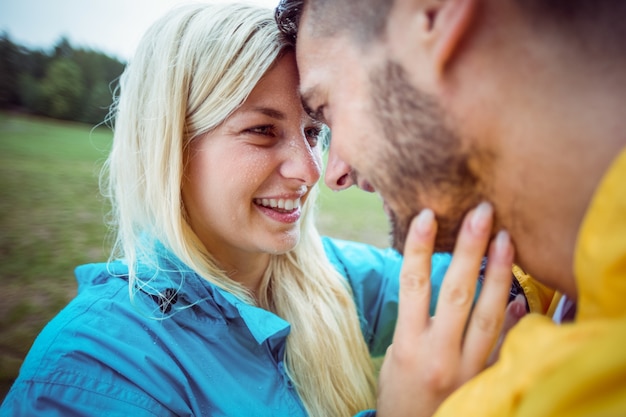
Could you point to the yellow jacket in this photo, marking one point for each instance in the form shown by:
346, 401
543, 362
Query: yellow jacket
540, 299
573, 369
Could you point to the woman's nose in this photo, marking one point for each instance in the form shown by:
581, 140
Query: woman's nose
303, 162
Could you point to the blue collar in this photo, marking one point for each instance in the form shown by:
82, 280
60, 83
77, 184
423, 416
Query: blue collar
174, 288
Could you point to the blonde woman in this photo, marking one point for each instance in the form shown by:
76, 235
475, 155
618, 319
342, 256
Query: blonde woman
220, 297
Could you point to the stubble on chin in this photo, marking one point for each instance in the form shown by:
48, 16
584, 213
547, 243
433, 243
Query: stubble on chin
448, 227
419, 162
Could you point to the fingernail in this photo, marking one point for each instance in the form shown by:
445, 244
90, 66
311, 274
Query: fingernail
482, 217
424, 222
519, 308
503, 241
521, 299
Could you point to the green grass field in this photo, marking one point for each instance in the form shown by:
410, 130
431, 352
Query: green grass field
51, 220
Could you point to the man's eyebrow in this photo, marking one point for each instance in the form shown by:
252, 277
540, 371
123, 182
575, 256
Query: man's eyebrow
268, 111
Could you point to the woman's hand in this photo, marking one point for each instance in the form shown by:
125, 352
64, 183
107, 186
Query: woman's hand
431, 357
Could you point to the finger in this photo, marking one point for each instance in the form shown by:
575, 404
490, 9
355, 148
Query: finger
414, 298
459, 286
514, 312
488, 315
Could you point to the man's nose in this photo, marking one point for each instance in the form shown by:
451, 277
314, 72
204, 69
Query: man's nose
338, 175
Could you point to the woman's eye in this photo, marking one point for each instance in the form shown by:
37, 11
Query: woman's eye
313, 135
262, 130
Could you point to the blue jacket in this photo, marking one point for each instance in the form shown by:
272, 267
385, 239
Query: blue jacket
217, 356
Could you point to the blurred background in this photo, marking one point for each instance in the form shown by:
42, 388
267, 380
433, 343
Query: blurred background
59, 62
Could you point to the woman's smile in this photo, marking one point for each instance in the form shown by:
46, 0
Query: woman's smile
281, 210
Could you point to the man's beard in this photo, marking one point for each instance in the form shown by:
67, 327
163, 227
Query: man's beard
420, 162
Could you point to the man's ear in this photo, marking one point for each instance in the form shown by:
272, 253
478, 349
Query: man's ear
449, 22
430, 32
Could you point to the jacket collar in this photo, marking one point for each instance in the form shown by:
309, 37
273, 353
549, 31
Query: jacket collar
600, 259
170, 287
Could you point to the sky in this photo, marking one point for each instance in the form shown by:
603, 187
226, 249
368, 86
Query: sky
113, 27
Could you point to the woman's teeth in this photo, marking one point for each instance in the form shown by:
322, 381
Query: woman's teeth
281, 203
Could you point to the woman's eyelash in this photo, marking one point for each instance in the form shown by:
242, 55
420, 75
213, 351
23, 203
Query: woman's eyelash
262, 130
314, 130
313, 135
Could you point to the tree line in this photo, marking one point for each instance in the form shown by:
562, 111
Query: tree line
65, 82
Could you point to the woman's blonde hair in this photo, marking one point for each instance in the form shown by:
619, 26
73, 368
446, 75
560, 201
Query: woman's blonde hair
193, 68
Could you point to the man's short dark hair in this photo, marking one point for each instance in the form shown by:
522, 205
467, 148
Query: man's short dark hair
364, 20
